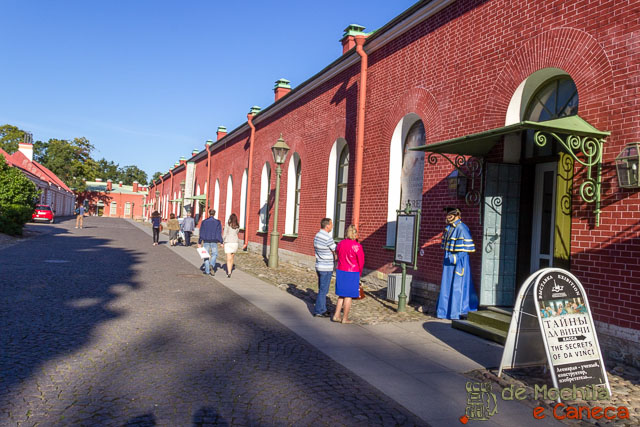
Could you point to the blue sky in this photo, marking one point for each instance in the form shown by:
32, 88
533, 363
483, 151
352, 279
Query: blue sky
148, 81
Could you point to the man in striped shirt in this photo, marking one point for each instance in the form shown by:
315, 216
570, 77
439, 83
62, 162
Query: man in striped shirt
325, 255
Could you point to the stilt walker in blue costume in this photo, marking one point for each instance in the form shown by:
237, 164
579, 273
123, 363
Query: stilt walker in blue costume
457, 294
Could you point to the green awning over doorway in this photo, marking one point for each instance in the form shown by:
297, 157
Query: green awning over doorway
479, 144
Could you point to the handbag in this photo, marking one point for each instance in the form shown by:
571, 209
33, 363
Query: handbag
360, 292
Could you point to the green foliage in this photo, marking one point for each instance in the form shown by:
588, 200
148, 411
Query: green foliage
18, 197
10, 136
13, 218
71, 160
106, 169
155, 177
128, 174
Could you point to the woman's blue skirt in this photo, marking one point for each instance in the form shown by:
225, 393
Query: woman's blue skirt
348, 283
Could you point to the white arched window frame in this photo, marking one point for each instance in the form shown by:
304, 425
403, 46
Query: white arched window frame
216, 198
517, 106
332, 174
229, 201
293, 195
395, 173
265, 187
243, 199
196, 203
113, 209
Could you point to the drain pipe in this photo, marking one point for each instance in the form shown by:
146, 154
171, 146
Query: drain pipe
171, 188
206, 209
362, 98
249, 175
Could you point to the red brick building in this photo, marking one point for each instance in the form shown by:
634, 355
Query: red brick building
116, 201
483, 80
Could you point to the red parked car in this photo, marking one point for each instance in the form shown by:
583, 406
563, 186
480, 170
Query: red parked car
43, 213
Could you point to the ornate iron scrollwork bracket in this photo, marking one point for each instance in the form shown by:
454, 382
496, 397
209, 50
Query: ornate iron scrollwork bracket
470, 168
587, 151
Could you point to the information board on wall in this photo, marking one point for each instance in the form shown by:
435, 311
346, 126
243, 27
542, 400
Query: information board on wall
406, 238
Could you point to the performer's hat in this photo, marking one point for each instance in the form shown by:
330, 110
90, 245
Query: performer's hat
452, 211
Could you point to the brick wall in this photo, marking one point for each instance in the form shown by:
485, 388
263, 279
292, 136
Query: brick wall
458, 71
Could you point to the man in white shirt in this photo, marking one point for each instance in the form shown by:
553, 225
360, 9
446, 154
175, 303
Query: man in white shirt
324, 247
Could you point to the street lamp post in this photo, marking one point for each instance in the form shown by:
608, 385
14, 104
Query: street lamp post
182, 209
157, 200
280, 150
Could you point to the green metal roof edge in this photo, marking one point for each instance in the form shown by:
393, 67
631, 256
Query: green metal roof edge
575, 125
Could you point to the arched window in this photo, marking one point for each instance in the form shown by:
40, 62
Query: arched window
406, 170
243, 199
294, 179
556, 98
342, 181
229, 200
216, 198
113, 209
265, 188
127, 209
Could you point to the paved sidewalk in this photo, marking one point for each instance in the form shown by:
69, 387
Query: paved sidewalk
418, 364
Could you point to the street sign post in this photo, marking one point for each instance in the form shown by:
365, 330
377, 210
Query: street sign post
407, 231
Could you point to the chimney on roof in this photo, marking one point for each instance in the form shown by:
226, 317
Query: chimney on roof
209, 143
26, 149
194, 152
282, 88
109, 184
26, 146
222, 131
119, 183
183, 160
176, 164
349, 37
135, 186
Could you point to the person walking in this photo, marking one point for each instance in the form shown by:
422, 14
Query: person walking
348, 272
230, 241
155, 225
79, 215
324, 247
210, 236
188, 225
457, 293
173, 225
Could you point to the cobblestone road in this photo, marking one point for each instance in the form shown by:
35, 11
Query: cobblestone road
99, 327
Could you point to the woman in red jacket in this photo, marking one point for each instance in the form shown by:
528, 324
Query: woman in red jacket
350, 265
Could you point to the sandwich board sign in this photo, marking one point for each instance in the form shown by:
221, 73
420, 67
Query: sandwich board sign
552, 323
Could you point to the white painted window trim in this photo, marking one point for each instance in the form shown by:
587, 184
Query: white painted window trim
332, 176
229, 201
243, 199
395, 173
294, 160
216, 198
265, 187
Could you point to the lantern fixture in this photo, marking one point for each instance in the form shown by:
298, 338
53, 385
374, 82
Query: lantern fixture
182, 186
627, 165
457, 183
157, 194
280, 150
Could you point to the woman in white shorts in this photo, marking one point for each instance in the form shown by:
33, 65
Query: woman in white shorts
230, 238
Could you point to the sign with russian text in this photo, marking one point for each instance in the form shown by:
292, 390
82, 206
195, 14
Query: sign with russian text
568, 330
406, 238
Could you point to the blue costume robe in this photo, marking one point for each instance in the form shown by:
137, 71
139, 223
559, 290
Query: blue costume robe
457, 294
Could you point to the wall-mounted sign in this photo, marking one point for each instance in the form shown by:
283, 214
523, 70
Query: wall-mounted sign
552, 318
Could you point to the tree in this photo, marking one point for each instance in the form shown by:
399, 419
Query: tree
71, 161
128, 174
18, 196
107, 169
10, 137
155, 177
